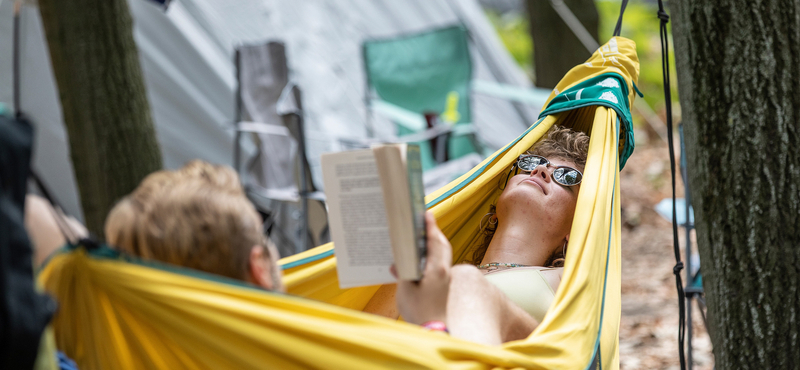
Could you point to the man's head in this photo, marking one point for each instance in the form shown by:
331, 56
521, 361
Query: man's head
196, 217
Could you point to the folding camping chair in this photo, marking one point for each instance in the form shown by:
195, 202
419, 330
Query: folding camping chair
423, 83
278, 179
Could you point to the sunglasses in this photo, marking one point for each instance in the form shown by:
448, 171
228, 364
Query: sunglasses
563, 175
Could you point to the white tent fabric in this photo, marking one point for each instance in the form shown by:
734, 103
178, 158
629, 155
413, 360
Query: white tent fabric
187, 59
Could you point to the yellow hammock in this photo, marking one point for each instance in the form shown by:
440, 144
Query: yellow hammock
117, 312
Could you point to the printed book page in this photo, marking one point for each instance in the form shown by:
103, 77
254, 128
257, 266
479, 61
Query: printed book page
357, 218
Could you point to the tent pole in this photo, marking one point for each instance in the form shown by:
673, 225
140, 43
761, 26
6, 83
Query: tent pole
575, 25
238, 115
298, 114
303, 184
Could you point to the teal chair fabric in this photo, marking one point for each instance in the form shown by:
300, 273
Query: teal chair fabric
423, 73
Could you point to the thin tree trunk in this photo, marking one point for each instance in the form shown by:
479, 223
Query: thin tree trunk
556, 49
738, 66
112, 140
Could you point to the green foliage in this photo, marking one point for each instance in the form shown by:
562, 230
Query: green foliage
513, 31
640, 24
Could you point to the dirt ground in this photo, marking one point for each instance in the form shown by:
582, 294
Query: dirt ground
649, 326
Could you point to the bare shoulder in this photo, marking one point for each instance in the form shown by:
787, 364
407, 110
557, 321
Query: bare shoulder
43, 228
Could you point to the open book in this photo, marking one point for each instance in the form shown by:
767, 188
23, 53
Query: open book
376, 213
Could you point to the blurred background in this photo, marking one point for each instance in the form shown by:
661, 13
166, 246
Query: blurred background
267, 86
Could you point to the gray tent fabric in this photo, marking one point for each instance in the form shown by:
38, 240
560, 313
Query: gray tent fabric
187, 59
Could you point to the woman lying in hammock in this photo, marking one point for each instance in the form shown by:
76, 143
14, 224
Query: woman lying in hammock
198, 217
517, 267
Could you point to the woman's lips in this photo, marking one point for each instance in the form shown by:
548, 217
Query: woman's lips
534, 181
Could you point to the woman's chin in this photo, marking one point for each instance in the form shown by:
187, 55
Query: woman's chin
525, 193
519, 204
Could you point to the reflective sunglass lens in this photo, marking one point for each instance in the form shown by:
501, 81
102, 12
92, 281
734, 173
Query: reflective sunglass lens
563, 175
567, 176
531, 162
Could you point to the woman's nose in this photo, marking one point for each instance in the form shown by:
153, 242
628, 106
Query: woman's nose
541, 170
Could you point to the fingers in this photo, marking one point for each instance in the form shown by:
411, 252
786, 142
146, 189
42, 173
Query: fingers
393, 270
426, 299
432, 226
440, 252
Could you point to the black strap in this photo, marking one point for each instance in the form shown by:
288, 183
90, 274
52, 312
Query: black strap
618, 28
664, 17
70, 235
89, 242
43, 189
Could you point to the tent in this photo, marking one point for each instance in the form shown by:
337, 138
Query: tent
186, 53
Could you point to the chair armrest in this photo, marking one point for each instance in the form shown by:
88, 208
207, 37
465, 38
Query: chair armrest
533, 96
263, 128
409, 119
416, 122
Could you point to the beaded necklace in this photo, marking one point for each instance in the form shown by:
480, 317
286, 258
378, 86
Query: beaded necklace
496, 265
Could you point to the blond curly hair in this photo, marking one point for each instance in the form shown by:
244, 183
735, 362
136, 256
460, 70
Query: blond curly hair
197, 217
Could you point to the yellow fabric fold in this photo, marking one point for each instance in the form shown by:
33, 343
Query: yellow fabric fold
116, 313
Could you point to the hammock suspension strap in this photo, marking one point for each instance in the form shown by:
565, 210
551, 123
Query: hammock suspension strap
618, 28
676, 270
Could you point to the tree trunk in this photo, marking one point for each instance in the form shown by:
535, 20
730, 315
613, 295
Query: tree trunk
556, 49
738, 64
96, 64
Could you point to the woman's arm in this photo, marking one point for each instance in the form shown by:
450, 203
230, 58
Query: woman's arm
460, 296
383, 302
479, 312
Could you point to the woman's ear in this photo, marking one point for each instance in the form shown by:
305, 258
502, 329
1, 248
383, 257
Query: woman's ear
260, 268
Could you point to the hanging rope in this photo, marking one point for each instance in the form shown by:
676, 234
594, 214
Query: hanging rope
664, 17
618, 28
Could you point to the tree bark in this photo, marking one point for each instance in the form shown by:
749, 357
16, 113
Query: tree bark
103, 99
738, 64
556, 49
